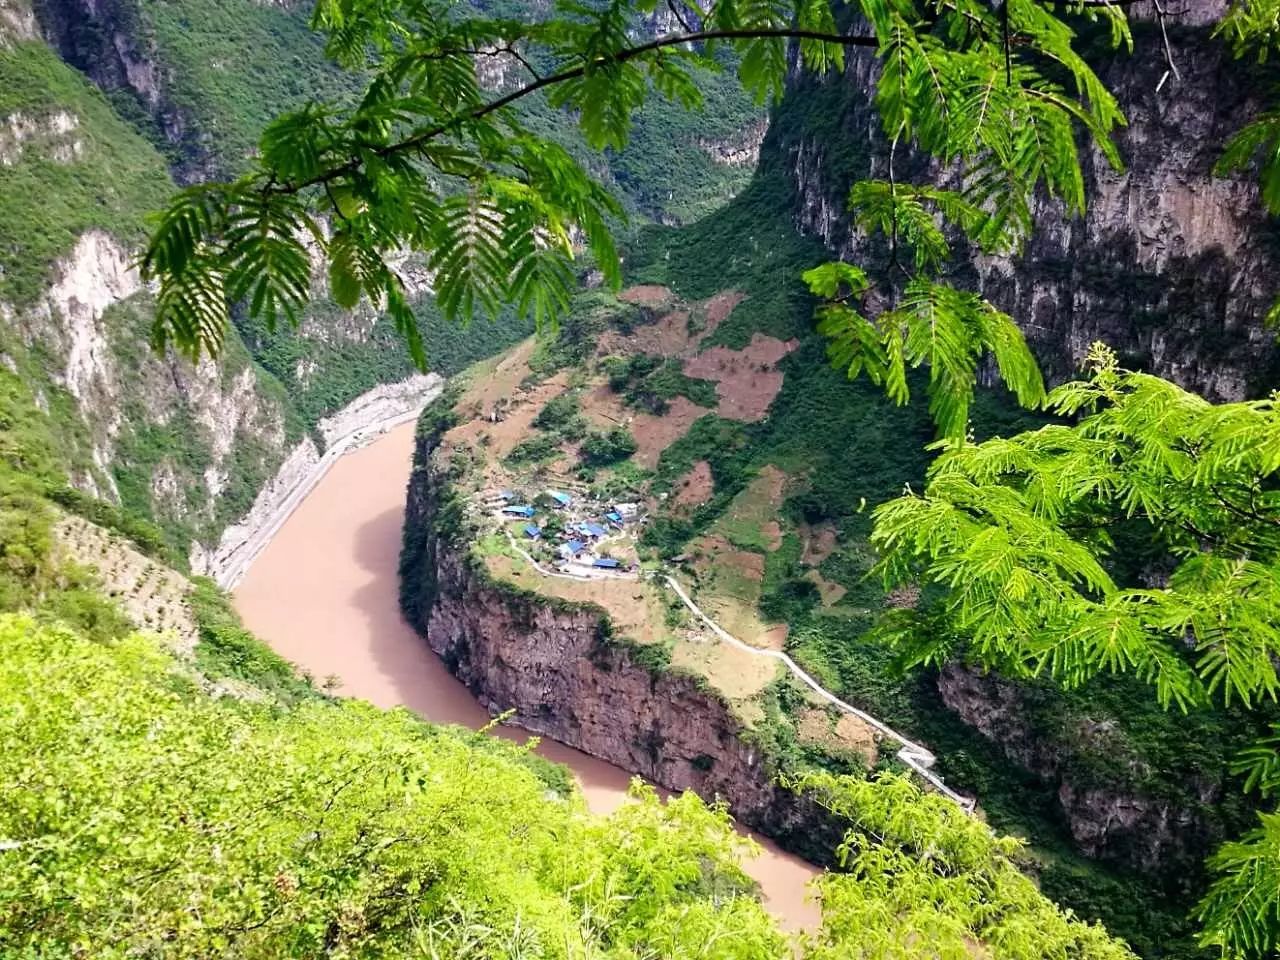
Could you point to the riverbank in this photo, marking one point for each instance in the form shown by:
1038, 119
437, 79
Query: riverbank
360, 422
323, 593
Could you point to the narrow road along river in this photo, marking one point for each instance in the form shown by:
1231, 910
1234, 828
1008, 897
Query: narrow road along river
323, 593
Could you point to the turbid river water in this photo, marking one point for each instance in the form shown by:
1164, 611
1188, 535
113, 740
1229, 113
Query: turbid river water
324, 594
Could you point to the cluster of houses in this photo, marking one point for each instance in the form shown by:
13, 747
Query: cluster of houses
576, 536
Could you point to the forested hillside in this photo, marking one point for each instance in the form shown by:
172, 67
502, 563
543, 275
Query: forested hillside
181, 791
886, 471
759, 462
99, 101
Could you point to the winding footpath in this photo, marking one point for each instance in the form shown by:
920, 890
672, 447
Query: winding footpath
914, 755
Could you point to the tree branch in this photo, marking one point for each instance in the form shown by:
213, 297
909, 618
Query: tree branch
417, 140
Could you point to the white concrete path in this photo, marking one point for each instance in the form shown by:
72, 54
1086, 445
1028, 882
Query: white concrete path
915, 756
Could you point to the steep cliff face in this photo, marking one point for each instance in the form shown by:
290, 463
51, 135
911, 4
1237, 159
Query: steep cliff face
109, 44
1118, 820
1172, 266
183, 445
179, 443
559, 667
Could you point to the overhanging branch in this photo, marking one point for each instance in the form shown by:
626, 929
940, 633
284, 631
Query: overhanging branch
422, 137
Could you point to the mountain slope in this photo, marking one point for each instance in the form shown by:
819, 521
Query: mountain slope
1172, 266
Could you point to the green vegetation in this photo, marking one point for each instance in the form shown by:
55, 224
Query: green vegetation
73, 166
749, 246
1008, 536
502, 235
898, 862
360, 351
650, 382
562, 417
232, 66
331, 826
995, 531
535, 449
227, 649
603, 448
847, 448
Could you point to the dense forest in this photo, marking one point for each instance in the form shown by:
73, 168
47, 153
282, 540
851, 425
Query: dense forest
964, 398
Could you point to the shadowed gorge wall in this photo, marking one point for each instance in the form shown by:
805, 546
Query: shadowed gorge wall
1172, 266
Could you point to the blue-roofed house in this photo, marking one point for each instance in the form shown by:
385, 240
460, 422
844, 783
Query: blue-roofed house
572, 548
532, 531
606, 563
614, 517
563, 499
593, 530
519, 510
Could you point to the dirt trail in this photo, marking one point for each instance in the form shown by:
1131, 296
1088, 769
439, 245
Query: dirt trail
323, 594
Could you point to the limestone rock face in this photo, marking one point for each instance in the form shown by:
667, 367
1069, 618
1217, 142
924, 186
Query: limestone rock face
1172, 266
104, 40
558, 668
1115, 820
89, 329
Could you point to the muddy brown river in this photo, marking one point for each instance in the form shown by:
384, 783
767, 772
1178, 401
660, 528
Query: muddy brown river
324, 594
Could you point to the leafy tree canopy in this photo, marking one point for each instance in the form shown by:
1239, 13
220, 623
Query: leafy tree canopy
428, 162
143, 817
1017, 539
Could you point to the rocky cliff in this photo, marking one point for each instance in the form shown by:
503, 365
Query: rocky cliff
188, 447
565, 673
1171, 265
108, 41
1110, 813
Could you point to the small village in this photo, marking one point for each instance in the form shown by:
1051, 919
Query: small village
571, 532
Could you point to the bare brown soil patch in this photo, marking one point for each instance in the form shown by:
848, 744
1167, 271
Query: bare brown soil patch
746, 380
772, 531
654, 434
713, 554
668, 336
492, 383
904, 597
647, 294
720, 306
729, 591
831, 593
819, 542
847, 734
604, 409
516, 418
695, 487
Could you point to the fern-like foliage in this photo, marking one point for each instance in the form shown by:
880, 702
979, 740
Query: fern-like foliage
934, 325
1015, 531
1002, 120
1258, 141
1241, 913
427, 162
1013, 541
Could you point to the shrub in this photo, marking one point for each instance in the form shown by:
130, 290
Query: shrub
600, 449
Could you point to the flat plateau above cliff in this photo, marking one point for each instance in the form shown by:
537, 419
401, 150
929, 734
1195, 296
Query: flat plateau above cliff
564, 465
